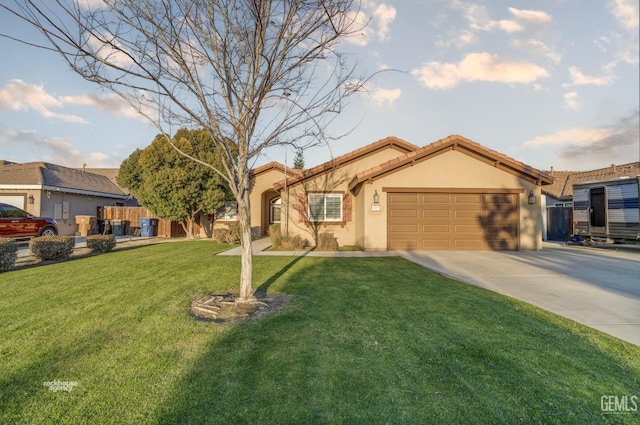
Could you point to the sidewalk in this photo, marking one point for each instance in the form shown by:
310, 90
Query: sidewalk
260, 247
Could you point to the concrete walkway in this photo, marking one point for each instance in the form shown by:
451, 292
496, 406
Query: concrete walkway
596, 287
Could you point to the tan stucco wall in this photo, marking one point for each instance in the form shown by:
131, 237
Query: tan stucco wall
333, 181
450, 170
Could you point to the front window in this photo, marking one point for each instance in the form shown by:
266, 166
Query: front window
228, 212
325, 207
276, 210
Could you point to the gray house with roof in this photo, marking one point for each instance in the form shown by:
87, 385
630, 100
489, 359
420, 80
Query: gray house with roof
51, 190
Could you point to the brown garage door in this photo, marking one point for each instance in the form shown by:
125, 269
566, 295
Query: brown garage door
452, 221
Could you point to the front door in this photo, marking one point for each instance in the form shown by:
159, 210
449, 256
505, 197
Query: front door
598, 211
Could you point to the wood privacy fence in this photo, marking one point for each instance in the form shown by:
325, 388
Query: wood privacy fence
165, 229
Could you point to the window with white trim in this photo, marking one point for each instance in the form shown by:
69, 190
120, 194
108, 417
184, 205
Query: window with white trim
228, 212
325, 206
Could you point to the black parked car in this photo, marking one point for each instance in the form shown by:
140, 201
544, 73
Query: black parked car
16, 223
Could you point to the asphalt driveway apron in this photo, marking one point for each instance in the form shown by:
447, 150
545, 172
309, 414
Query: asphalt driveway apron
598, 288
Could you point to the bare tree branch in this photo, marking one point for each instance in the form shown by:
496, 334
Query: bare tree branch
252, 73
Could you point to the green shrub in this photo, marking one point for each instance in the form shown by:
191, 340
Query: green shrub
101, 243
227, 236
234, 232
52, 247
297, 242
285, 242
275, 235
327, 242
8, 254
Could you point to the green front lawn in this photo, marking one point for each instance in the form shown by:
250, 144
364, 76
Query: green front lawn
365, 340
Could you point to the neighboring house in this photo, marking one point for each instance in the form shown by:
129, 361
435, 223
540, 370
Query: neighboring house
451, 194
557, 199
112, 174
50, 190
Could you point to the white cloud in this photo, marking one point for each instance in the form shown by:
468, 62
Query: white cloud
385, 96
537, 17
574, 136
579, 79
479, 18
571, 100
584, 148
509, 26
91, 4
373, 19
110, 103
56, 150
110, 50
626, 13
459, 40
20, 96
537, 47
385, 15
477, 67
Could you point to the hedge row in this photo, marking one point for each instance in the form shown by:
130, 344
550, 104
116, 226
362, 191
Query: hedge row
8, 254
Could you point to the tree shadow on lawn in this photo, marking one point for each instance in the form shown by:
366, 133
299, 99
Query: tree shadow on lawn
396, 343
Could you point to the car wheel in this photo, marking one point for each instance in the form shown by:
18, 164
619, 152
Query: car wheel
48, 231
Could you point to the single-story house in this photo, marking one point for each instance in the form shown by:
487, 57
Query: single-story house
391, 194
557, 198
51, 190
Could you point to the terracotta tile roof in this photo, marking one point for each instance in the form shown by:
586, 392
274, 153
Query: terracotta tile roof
461, 144
350, 157
274, 165
46, 174
562, 187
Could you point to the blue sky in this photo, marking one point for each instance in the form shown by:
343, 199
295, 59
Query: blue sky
547, 82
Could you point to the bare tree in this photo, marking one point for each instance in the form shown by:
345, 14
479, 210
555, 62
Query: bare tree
253, 73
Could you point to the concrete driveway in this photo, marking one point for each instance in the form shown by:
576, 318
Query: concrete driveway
596, 287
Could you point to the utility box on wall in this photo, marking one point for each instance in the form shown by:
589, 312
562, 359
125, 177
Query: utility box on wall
61, 211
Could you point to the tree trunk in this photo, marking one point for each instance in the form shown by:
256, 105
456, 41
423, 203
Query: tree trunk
188, 228
246, 271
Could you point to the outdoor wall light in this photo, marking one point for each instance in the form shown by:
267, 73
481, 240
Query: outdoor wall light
532, 198
376, 197
31, 199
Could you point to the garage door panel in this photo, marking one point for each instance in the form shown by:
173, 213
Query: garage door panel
436, 214
436, 244
405, 228
403, 244
435, 198
411, 198
436, 228
468, 199
404, 214
469, 244
453, 221
468, 229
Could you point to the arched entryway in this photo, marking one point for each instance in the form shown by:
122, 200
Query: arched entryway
271, 211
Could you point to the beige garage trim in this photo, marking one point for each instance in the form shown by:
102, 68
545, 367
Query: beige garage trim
461, 219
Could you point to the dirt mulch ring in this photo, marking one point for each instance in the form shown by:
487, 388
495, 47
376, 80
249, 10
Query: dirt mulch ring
226, 309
